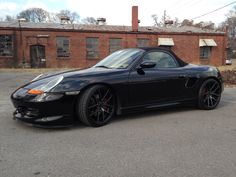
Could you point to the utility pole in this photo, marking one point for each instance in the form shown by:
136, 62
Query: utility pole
167, 21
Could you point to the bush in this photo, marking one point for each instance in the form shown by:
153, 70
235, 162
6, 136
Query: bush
229, 77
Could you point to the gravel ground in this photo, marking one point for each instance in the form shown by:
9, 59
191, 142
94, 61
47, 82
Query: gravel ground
180, 142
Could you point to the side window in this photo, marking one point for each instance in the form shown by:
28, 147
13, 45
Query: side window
162, 59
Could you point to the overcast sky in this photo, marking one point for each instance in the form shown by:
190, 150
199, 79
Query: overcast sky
119, 12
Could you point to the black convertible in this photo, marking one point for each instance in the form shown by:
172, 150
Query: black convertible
127, 80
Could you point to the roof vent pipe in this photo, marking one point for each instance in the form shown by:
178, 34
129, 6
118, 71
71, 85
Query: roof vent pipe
101, 21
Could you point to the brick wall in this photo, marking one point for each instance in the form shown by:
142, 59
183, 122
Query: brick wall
186, 46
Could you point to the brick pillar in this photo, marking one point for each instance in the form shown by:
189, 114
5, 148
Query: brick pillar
135, 18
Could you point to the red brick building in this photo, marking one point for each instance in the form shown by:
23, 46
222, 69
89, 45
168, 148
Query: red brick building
75, 45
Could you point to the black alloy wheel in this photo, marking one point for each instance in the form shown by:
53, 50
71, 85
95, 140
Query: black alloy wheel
209, 94
96, 106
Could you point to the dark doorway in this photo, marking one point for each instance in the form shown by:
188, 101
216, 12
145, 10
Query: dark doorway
37, 56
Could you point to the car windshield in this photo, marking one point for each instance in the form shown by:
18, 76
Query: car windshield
120, 59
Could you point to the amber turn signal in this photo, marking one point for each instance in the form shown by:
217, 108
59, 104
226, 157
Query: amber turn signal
35, 92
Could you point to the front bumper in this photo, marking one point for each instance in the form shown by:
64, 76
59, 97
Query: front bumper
50, 121
57, 113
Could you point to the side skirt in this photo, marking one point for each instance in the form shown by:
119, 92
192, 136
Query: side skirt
157, 105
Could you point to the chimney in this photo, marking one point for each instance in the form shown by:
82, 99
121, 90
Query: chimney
135, 20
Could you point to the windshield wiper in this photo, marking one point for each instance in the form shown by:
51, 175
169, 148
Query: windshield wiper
102, 66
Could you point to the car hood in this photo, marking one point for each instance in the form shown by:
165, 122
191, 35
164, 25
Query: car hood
74, 79
79, 73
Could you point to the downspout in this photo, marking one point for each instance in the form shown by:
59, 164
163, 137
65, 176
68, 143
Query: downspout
225, 44
15, 48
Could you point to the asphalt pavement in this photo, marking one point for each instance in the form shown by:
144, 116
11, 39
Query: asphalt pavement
176, 142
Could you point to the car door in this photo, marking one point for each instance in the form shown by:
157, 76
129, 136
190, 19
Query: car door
163, 83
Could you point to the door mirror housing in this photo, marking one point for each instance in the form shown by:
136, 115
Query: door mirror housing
148, 64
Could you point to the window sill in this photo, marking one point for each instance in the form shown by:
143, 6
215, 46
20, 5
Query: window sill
63, 58
6, 56
92, 58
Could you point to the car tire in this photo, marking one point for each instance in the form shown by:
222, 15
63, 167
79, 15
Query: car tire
96, 106
209, 94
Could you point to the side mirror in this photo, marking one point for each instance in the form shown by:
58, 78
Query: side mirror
148, 64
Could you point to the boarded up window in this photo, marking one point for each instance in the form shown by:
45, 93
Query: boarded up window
143, 42
114, 45
92, 47
63, 47
6, 45
205, 52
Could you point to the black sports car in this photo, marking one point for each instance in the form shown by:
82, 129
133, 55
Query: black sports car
128, 79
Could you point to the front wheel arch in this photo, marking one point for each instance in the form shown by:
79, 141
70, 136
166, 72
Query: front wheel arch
215, 78
205, 92
85, 89
117, 98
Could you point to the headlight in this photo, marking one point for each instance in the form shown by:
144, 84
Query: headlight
45, 86
37, 77
47, 97
42, 92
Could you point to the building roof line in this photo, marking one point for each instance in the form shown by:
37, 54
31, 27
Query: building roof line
107, 28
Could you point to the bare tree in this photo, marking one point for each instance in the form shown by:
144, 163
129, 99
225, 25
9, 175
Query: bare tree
176, 22
155, 19
187, 22
221, 26
205, 25
231, 22
208, 25
34, 15
89, 20
159, 23
72, 17
53, 18
165, 21
9, 18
